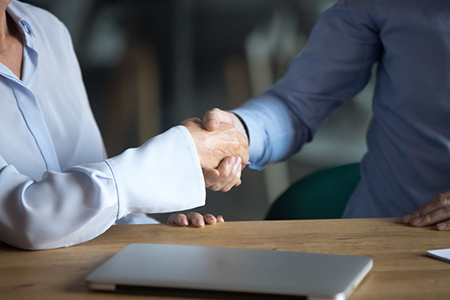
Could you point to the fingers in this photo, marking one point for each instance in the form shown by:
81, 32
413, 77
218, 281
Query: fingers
211, 220
178, 219
437, 216
214, 117
213, 147
443, 225
194, 218
191, 121
211, 176
226, 176
436, 211
235, 178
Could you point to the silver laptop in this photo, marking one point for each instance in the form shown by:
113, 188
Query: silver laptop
226, 272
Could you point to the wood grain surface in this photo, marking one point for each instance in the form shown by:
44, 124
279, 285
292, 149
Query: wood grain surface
402, 270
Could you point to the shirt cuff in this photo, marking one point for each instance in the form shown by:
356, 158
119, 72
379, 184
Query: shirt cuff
163, 175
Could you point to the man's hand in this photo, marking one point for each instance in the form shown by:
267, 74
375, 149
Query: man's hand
225, 176
214, 117
436, 211
196, 219
213, 147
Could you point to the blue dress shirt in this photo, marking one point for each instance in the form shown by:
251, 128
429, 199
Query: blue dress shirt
408, 158
56, 186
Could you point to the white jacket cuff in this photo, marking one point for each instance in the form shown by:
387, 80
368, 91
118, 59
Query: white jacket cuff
163, 175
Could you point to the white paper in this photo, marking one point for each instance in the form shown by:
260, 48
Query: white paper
442, 254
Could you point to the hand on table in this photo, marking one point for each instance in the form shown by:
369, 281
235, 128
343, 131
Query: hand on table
436, 211
195, 219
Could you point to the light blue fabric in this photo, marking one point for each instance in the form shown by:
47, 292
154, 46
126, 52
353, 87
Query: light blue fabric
408, 159
57, 188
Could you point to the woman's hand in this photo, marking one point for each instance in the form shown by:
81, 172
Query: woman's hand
226, 176
195, 219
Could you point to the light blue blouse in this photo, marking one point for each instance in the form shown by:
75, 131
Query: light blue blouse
408, 159
56, 186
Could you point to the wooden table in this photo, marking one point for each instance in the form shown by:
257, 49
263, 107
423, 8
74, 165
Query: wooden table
401, 268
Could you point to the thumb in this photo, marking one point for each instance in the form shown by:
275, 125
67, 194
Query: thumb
215, 116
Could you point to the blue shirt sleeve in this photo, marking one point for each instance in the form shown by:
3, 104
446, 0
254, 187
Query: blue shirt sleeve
334, 66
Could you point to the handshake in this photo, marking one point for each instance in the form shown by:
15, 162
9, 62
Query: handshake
222, 146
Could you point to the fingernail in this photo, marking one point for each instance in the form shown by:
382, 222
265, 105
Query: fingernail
199, 222
232, 160
211, 123
239, 160
416, 221
183, 221
208, 216
406, 219
441, 226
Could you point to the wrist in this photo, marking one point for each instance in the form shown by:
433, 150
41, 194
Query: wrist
239, 124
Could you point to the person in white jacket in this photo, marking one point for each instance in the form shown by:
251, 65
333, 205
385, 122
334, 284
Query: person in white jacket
57, 187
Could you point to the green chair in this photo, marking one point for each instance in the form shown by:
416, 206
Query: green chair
320, 195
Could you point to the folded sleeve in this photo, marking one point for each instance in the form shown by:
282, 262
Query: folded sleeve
334, 66
63, 209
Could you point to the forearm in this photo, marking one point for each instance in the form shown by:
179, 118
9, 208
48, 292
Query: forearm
334, 66
165, 170
65, 209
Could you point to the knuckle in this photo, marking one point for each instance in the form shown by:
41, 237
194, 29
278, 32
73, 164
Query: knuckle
442, 200
212, 113
176, 218
197, 215
214, 188
420, 211
193, 215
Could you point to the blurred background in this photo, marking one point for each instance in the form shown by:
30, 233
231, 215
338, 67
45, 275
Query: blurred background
149, 64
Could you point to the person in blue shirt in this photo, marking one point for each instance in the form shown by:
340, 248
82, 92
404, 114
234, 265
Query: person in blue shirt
57, 187
406, 171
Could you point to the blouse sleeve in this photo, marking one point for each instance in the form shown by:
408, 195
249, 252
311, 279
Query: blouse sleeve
71, 207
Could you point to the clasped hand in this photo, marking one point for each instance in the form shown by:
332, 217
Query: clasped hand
222, 146
223, 151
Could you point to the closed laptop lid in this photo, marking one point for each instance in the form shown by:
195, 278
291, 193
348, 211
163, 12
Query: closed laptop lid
315, 276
